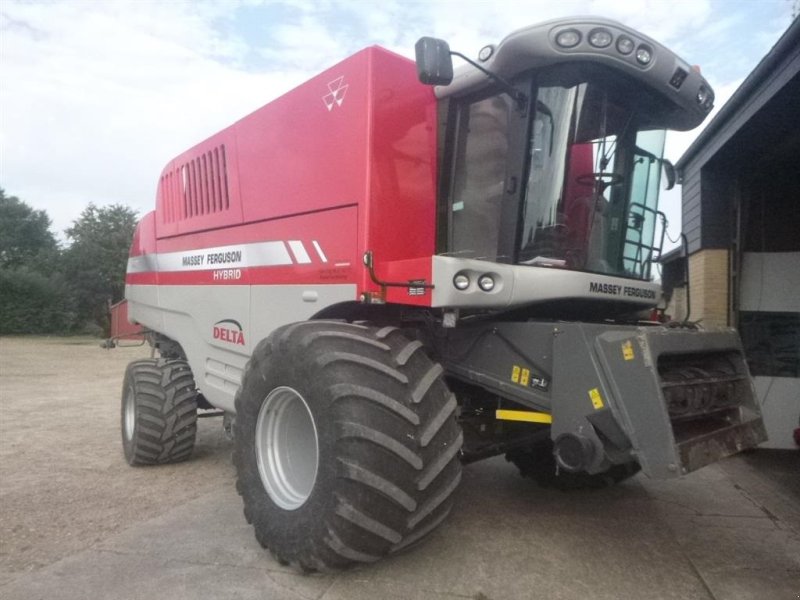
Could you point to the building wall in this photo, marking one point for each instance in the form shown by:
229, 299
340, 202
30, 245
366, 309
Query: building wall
708, 202
741, 204
708, 281
691, 207
676, 307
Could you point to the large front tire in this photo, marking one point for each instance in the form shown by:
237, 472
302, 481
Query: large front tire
159, 412
346, 446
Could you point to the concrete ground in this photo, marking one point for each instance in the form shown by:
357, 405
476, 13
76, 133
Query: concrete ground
77, 522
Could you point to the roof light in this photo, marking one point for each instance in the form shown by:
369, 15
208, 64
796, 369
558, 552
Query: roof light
569, 38
486, 53
644, 55
461, 281
705, 98
600, 38
624, 45
486, 283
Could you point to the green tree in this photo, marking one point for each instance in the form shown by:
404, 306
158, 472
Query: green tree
32, 302
34, 295
25, 236
95, 262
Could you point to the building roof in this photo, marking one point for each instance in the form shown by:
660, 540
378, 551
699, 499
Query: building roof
778, 66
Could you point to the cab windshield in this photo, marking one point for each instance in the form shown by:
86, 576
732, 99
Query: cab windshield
579, 192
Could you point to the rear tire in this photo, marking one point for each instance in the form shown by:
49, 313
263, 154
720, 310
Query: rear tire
159, 412
539, 464
346, 445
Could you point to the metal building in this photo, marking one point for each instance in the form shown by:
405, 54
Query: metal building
741, 216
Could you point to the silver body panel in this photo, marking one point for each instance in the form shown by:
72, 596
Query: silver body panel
518, 285
189, 315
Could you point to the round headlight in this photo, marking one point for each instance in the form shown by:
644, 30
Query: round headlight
486, 283
461, 281
624, 45
486, 53
600, 38
569, 38
644, 55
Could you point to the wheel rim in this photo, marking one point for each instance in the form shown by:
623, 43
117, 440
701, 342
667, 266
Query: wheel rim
130, 414
287, 448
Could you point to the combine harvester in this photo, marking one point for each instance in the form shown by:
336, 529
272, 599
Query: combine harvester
393, 270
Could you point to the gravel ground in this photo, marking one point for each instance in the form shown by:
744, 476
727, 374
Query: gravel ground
75, 517
64, 484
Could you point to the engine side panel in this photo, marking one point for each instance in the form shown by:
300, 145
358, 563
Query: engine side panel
218, 330
218, 293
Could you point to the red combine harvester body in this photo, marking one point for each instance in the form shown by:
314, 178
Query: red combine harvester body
364, 160
374, 281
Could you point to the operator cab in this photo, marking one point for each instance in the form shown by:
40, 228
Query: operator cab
553, 147
571, 182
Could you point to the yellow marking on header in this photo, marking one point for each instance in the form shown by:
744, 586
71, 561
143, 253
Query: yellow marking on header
597, 399
525, 378
515, 374
627, 351
523, 415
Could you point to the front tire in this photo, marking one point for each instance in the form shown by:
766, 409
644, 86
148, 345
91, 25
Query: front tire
159, 412
346, 445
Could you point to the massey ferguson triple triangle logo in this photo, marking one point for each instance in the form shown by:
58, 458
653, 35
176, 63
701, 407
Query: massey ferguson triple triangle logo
338, 89
229, 331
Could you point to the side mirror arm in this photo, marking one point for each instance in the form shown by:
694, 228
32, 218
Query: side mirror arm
435, 67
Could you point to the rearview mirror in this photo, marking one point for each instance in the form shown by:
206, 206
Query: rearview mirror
669, 172
434, 63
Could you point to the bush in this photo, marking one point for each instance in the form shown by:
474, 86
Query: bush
31, 302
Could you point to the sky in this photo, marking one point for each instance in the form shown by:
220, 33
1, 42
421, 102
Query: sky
96, 96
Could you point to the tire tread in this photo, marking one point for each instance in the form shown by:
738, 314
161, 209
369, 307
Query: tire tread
165, 400
395, 441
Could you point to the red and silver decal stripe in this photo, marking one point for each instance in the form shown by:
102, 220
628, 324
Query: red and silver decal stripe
235, 264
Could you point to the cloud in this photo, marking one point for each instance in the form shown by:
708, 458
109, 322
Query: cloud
305, 42
658, 19
96, 97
